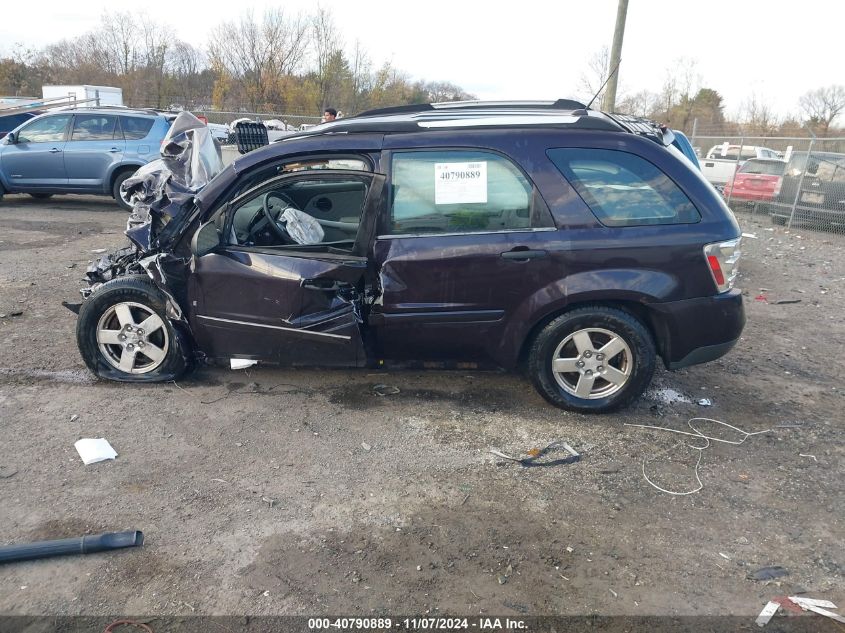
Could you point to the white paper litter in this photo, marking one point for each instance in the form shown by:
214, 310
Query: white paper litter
812, 602
767, 613
241, 363
93, 450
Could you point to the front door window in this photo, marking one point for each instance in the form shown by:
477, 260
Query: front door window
323, 209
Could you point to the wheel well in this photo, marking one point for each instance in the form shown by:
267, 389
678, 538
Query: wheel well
122, 170
635, 309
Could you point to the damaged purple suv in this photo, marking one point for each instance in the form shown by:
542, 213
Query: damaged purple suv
576, 244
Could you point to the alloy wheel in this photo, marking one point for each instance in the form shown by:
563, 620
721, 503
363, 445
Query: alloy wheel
132, 338
592, 363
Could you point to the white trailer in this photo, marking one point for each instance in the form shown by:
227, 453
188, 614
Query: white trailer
92, 95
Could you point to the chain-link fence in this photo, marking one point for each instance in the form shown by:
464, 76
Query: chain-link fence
795, 181
290, 121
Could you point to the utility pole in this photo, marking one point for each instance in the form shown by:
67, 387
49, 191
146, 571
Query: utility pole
615, 54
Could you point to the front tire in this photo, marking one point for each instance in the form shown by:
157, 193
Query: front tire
593, 359
122, 201
123, 333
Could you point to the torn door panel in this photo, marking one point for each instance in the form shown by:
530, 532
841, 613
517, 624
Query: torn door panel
278, 307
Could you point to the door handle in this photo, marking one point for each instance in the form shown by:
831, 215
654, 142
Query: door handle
324, 285
524, 254
55, 150
114, 149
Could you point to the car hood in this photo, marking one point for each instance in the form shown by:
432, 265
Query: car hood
163, 191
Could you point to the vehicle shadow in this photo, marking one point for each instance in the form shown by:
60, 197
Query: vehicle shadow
69, 202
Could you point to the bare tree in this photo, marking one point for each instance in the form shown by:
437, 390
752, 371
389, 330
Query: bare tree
254, 52
758, 117
157, 41
591, 82
327, 45
823, 105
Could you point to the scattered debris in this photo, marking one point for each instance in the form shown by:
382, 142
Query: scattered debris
781, 302
750, 235
365, 446
535, 454
767, 613
803, 455
797, 604
569, 549
270, 502
120, 623
98, 251
768, 573
615, 595
725, 556
222, 481
385, 390
668, 396
7, 471
241, 363
93, 450
705, 402
72, 265
818, 606
761, 297
419, 567
698, 434
74, 418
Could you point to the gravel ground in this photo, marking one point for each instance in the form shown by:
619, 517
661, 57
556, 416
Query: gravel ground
274, 491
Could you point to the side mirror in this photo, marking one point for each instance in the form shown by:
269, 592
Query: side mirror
11, 138
205, 240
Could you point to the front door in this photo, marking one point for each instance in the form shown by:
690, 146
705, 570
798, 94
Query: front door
462, 246
95, 144
289, 282
36, 159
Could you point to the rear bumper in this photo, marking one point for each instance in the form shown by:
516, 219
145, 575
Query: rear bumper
698, 330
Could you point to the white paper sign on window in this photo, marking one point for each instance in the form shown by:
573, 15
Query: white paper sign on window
460, 183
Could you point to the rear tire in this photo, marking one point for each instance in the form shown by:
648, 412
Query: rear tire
122, 202
593, 359
123, 333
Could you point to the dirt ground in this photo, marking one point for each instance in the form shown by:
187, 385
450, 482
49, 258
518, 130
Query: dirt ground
275, 491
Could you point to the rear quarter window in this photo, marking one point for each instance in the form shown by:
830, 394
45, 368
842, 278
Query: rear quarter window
623, 189
135, 127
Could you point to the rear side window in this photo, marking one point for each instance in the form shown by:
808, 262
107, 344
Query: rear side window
623, 189
135, 127
454, 191
763, 167
93, 127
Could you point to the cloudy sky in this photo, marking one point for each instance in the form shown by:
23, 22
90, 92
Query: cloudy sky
775, 49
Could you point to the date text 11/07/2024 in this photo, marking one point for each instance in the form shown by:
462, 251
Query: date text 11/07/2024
417, 624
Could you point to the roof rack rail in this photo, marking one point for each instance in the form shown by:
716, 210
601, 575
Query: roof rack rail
643, 127
560, 104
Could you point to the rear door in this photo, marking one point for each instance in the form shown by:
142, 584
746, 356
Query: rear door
95, 144
290, 301
462, 244
36, 160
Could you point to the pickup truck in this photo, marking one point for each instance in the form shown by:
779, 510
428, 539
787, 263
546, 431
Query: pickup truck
720, 163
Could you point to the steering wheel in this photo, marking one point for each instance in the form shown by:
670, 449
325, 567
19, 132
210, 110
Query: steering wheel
268, 209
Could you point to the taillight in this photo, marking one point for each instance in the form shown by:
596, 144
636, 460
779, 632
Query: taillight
722, 259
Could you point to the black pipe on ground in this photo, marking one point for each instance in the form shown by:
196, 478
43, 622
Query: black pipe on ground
81, 545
